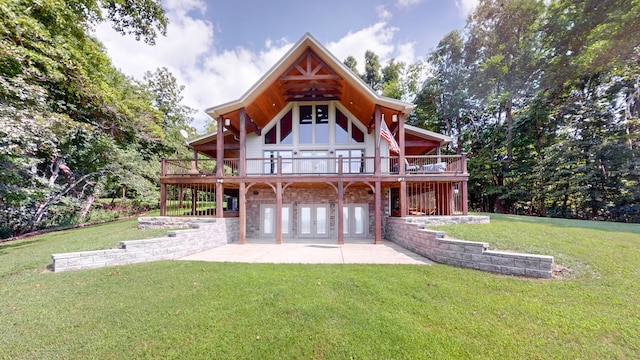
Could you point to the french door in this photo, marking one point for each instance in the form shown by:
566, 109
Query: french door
268, 220
313, 220
356, 220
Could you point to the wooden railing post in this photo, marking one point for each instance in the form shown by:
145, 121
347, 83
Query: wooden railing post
279, 165
163, 166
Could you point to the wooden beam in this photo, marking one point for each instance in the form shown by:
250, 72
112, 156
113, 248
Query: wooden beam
309, 77
311, 98
233, 130
312, 84
311, 92
253, 126
210, 146
421, 143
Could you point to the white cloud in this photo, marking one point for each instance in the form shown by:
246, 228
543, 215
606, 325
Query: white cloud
214, 77
465, 7
383, 13
407, 3
378, 38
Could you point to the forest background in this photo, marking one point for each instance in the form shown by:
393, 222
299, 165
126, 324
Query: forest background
544, 97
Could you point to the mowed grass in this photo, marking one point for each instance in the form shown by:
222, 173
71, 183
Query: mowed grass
177, 309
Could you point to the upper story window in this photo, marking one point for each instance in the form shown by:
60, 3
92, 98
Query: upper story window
285, 133
314, 125
346, 132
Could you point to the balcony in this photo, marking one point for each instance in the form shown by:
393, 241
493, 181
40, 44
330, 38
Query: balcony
430, 165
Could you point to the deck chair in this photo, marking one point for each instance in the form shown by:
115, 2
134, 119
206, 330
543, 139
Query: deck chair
410, 168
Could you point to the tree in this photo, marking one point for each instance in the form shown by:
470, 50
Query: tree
66, 115
166, 97
371, 74
351, 63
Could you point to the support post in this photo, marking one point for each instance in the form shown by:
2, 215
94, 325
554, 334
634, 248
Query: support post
242, 163
465, 189
219, 200
377, 119
163, 199
401, 168
163, 188
378, 213
340, 211
220, 148
279, 212
242, 220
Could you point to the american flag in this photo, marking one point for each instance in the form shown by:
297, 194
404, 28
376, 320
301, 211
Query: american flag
388, 137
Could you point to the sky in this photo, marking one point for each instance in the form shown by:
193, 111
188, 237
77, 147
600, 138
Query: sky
218, 49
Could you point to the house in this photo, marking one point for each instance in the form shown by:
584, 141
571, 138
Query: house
311, 151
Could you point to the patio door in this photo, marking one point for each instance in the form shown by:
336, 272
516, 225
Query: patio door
268, 220
313, 220
356, 220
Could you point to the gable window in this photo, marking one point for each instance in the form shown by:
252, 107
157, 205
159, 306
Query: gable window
346, 131
285, 133
314, 124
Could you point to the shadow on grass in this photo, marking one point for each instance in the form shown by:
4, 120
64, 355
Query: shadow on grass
572, 223
16, 244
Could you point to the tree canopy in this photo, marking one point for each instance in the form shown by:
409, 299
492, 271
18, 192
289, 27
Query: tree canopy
72, 127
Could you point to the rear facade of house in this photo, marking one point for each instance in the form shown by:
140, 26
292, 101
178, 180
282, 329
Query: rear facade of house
310, 151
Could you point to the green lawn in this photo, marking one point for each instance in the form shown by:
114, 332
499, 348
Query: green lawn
189, 310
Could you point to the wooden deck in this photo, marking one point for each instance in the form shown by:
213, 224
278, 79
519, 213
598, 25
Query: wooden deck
416, 168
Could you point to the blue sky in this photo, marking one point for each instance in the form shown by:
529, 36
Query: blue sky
218, 49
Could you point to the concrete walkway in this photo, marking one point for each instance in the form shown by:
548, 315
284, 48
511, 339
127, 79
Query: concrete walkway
316, 251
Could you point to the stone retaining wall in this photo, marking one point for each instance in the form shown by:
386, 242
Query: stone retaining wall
475, 255
168, 222
177, 244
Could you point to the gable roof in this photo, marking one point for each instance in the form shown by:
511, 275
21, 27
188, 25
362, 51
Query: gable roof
307, 72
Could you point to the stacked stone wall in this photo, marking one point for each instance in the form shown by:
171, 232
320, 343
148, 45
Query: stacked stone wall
199, 237
410, 234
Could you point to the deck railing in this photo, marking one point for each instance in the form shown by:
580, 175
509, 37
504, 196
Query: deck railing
429, 164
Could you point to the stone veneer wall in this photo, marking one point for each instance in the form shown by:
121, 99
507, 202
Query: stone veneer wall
410, 234
318, 194
203, 234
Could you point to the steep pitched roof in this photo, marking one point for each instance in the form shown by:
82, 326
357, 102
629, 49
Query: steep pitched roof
307, 72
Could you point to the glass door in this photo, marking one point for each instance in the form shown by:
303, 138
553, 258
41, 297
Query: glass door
356, 220
268, 220
313, 220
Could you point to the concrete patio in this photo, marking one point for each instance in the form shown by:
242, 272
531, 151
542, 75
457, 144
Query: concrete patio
311, 251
